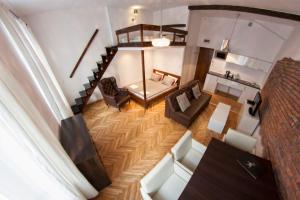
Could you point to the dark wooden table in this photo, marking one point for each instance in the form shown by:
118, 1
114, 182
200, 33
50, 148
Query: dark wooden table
220, 177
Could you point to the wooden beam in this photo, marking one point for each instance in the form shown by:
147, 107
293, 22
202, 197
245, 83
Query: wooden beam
259, 11
144, 78
175, 25
150, 27
83, 53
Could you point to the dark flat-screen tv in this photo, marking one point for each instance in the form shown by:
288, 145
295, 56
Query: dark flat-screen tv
253, 109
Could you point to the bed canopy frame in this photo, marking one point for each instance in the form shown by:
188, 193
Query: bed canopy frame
178, 39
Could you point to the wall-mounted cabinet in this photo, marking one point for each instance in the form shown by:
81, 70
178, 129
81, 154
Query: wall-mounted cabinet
245, 61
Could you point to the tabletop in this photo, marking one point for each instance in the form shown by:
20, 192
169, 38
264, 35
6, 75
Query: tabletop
220, 176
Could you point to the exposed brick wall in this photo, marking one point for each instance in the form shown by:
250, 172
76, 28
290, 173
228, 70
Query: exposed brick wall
280, 127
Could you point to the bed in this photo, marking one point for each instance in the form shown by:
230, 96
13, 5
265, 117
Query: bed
155, 89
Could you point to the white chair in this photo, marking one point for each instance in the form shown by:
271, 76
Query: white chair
188, 152
165, 181
240, 140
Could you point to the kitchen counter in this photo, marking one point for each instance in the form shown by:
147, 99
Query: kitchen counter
253, 85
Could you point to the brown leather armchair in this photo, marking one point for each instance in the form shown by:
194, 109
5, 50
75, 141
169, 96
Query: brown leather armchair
113, 95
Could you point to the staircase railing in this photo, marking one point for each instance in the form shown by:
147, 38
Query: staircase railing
84, 52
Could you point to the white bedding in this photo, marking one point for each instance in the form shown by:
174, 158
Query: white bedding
153, 88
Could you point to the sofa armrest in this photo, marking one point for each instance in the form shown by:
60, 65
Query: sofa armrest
145, 195
170, 105
123, 90
198, 146
182, 172
183, 167
110, 98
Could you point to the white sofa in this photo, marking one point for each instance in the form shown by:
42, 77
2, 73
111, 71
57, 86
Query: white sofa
240, 140
166, 181
188, 152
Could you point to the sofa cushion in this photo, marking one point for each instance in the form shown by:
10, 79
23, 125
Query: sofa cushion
191, 159
196, 106
174, 102
183, 102
189, 94
196, 91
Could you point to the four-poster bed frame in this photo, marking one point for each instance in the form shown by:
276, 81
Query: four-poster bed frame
178, 39
147, 101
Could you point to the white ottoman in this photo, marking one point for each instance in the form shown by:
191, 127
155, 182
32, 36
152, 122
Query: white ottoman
219, 118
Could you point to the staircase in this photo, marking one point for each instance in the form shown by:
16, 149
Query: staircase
98, 72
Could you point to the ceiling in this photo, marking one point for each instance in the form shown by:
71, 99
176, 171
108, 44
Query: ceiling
30, 7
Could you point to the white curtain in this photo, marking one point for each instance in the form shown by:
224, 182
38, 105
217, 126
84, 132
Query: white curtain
33, 59
33, 164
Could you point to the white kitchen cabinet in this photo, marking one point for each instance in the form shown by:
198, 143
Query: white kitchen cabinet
242, 91
246, 122
210, 83
248, 93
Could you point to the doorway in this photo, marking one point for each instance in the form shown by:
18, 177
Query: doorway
204, 60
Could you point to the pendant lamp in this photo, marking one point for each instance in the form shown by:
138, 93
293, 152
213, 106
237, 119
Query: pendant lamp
161, 41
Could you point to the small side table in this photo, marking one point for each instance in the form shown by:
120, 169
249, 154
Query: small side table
246, 122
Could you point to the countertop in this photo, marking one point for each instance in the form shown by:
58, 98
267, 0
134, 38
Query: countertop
247, 83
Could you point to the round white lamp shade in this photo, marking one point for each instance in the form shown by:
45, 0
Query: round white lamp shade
160, 42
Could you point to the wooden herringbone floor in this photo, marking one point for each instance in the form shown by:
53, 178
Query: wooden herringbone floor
131, 142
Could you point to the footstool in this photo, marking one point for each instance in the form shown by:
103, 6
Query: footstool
219, 117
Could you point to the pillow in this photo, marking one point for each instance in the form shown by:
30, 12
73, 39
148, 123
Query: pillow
168, 81
183, 102
196, 91
189, 94
156, 77
175, 79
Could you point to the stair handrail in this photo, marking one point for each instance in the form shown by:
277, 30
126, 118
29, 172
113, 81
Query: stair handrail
84, 52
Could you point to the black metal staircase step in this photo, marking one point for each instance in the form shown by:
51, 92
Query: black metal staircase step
83, 93
76, 109
101, 66
109, 50
87, 86
92, 80
96, 73
105, 58
79, 101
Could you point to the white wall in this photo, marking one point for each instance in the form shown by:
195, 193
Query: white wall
168, 59
291, 48
176, 15
63, 34
122, 17
127, 67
